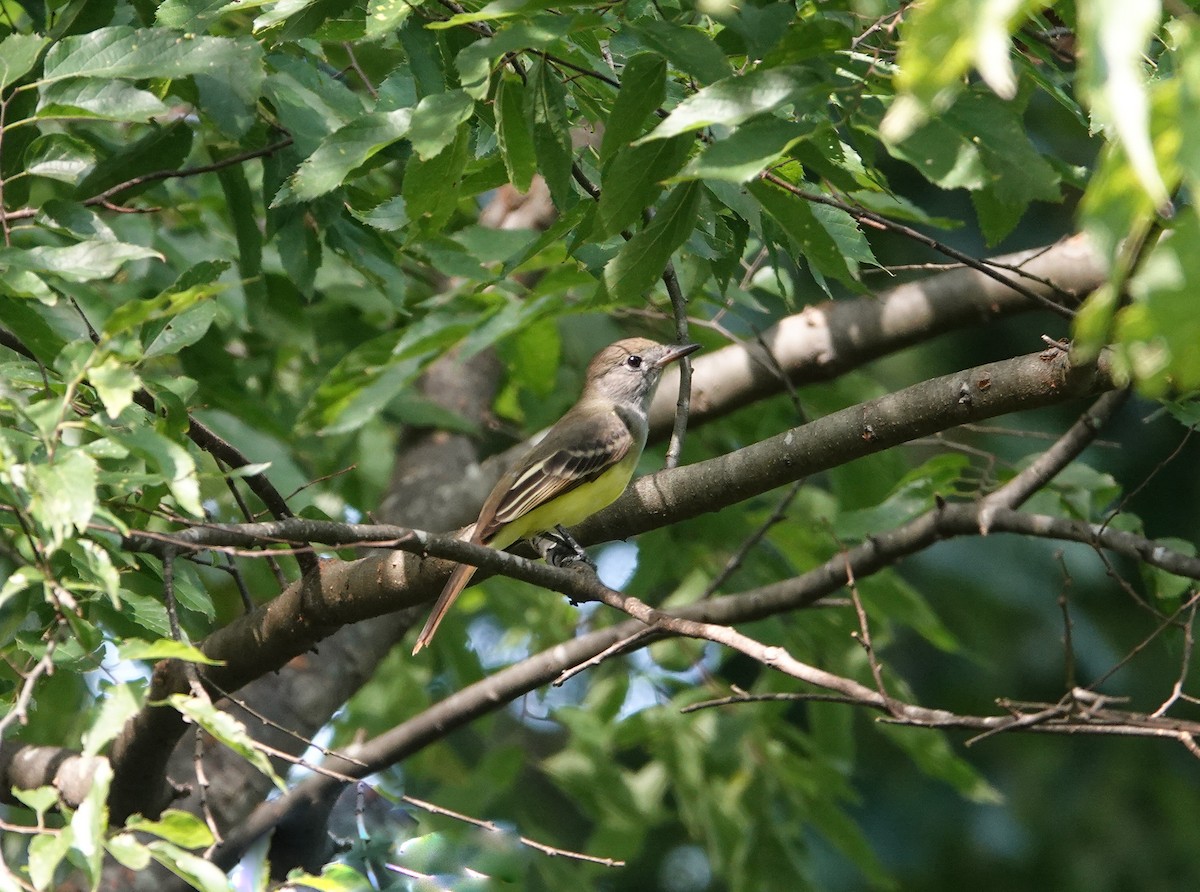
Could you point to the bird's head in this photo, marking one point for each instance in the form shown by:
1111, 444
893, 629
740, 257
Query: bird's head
628, 370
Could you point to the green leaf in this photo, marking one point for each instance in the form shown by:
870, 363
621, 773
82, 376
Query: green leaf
310, 103
639, 264
1093, 323
934, 756
1114, 79
514, 134
58, 156
83, 262
128, 851
435, 121
40, 799
810, 237
64, 494
643, 89
103, 100
634, 179
46, 852
688, 48
736, 99
163, 148
747, 151
164, 649
171, 460
90, 821
496, 10
168, 305
124, 52
334, 878
431, 187
474, 62
180, 828
186, 328
228, 730
938, 47
546, 111
343, 151
201, 874
1158, 332
115, 383
384, 16
120, 702
943, 154
18, 54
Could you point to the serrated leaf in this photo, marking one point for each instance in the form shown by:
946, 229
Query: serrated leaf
514, 133
83, 262
643, 88
1114, 78
135, 53
58, 156
736, 99
40, 799
128, 851
167, 305
119, 703
940, 42
1092, 324
97, 568
104, 100
747, 151
161, 148
934, 756
46, 852
180, 828
334, 878
474, 62
184, 329
634, 179
690, 49
1158, 331
546, 111
171, 460
810, 237
310, 103
90, 821
638, 265
435, 121
496, 10
18, 54
384, 16
341, 152
115, 384
228, 730
64, 494
164, 649
431, 188
201, 874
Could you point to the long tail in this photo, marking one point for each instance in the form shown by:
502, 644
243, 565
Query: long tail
454, 585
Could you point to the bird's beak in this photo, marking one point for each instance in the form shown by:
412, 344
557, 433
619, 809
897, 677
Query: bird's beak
676, 353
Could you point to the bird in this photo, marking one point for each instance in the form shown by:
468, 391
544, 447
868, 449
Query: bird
580, 466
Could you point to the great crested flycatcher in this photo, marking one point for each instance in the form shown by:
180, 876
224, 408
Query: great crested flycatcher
582, 464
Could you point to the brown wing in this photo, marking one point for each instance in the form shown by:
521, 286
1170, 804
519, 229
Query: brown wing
547, 472
601, 440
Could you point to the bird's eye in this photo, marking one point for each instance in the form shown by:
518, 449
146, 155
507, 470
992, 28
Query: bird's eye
634, 361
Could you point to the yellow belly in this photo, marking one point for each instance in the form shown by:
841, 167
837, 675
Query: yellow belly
572, 507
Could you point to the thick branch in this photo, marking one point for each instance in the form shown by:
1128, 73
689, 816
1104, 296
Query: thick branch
827, 339
308, 611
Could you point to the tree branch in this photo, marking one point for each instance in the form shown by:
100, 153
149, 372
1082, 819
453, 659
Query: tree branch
318, 604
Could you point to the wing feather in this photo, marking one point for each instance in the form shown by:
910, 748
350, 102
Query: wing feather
544, 475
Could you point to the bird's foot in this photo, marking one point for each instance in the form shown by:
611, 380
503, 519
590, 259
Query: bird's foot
559, 549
